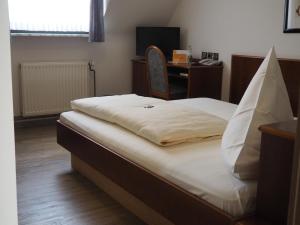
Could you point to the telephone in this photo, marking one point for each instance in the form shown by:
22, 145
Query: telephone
210, 62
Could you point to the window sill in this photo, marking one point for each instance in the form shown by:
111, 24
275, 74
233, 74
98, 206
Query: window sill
48, 35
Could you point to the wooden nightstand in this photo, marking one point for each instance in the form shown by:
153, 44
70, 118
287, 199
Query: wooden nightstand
276, 162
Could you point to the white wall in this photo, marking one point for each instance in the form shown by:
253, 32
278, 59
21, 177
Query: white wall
8, 203
235, 26
113, 72
112, 58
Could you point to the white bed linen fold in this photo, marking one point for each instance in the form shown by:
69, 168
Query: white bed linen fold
196, 167
161, 122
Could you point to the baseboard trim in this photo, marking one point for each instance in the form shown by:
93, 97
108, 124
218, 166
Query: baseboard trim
21, 122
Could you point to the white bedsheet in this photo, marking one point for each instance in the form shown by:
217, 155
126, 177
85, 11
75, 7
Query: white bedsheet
196, 167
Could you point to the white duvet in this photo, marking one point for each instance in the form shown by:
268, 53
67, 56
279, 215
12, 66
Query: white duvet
161, 122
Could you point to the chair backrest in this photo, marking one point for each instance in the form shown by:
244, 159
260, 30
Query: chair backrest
157, 73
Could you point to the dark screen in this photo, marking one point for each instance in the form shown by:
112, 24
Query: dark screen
165, 38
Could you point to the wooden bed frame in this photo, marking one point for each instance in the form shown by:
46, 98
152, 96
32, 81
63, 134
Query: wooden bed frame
243, 68
151, 197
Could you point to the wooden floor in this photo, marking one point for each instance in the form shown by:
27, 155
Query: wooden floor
50, 193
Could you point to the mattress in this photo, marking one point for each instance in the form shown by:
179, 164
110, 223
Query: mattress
196, 167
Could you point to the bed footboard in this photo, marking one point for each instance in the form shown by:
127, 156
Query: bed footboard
137, 207
167, 199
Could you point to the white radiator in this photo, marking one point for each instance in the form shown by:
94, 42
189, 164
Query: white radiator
48, 87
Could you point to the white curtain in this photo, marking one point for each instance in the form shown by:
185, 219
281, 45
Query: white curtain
49, 15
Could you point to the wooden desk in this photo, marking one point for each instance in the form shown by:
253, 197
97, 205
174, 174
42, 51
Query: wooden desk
202, 81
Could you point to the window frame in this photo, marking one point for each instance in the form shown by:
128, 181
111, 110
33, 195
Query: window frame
56, 33
49, 33
22, 32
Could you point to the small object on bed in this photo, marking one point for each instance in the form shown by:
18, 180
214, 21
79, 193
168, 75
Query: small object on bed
149, 106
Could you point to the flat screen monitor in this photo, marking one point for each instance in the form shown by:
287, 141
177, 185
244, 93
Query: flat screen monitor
165, 38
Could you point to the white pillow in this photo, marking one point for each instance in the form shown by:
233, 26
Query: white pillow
265, 101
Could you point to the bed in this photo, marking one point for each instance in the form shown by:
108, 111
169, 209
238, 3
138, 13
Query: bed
169, 187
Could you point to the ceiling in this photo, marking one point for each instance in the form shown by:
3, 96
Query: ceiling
125, 15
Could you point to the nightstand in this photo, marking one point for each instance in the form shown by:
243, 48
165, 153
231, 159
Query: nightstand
276, 162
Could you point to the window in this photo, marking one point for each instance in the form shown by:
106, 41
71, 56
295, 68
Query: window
49, 16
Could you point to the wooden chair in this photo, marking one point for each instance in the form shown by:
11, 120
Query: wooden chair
158, 81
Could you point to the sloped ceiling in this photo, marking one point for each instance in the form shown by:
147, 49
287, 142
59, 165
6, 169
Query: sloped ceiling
125, 15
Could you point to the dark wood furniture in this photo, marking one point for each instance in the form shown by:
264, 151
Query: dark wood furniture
276, 162
243, 68
294, 208
166, 198
159, 83
202, 81
253, 221
276, 166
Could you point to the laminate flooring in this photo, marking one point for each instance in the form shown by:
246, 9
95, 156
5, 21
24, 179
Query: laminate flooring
50, 193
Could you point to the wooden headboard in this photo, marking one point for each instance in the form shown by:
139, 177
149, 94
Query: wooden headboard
243, 68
